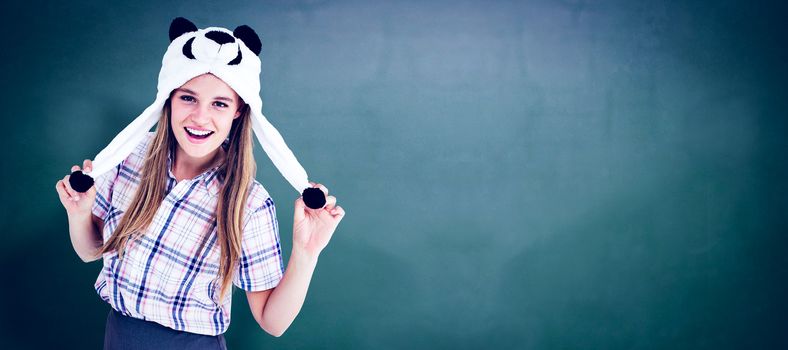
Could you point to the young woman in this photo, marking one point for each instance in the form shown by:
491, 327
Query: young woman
181, 218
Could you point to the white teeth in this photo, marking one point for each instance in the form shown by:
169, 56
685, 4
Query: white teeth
198, 132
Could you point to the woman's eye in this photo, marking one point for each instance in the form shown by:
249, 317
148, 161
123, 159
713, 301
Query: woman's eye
220, 104
187, 98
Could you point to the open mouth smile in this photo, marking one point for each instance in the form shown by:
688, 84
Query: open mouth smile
198, 134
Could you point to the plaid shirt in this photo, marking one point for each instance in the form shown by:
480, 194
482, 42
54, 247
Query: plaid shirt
169, 275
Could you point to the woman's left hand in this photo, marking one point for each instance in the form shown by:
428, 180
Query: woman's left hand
313, 228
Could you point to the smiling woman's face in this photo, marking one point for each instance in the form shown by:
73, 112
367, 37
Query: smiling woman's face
202, 110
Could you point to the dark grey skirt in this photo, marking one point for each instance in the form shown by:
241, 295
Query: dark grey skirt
128, 333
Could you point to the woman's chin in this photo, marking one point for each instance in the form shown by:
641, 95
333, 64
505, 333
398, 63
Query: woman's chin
200, 150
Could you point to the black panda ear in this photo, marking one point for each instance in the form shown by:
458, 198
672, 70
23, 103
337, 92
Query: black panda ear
249, 37
179, 26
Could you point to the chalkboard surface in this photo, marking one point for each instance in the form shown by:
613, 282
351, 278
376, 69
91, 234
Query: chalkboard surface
516, 174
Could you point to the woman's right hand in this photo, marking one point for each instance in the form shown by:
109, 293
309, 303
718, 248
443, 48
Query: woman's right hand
76, 204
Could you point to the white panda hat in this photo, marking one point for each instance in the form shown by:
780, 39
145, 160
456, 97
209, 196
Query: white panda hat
232, 57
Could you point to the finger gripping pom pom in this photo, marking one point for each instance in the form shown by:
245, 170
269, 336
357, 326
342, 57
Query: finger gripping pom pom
314, 198
80, 182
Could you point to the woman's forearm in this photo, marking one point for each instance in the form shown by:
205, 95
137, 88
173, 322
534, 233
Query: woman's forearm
84, 236
286, 299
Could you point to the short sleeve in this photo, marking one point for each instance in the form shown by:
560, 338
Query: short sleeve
260, 265
104, 185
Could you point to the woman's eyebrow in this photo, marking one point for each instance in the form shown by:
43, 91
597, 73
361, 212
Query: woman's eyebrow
187, 91
221, 98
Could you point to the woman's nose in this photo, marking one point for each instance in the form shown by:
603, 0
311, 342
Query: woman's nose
201, 114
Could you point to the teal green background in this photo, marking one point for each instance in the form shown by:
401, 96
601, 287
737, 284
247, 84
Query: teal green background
532, 175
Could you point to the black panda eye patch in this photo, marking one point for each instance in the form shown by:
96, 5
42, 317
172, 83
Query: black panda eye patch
235, 60
187, 49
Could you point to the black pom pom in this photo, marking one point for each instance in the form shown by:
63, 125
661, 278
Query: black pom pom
249, 37
80, 182
179, 26
314, 198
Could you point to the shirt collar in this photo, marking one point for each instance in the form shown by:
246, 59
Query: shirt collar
212, 178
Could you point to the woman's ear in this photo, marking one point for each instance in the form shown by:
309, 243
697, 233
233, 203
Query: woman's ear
241, 110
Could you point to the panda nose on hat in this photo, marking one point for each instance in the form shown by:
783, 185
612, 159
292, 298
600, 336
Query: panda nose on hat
220, 38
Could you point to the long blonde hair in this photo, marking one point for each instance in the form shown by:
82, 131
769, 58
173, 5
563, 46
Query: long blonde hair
238, 172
